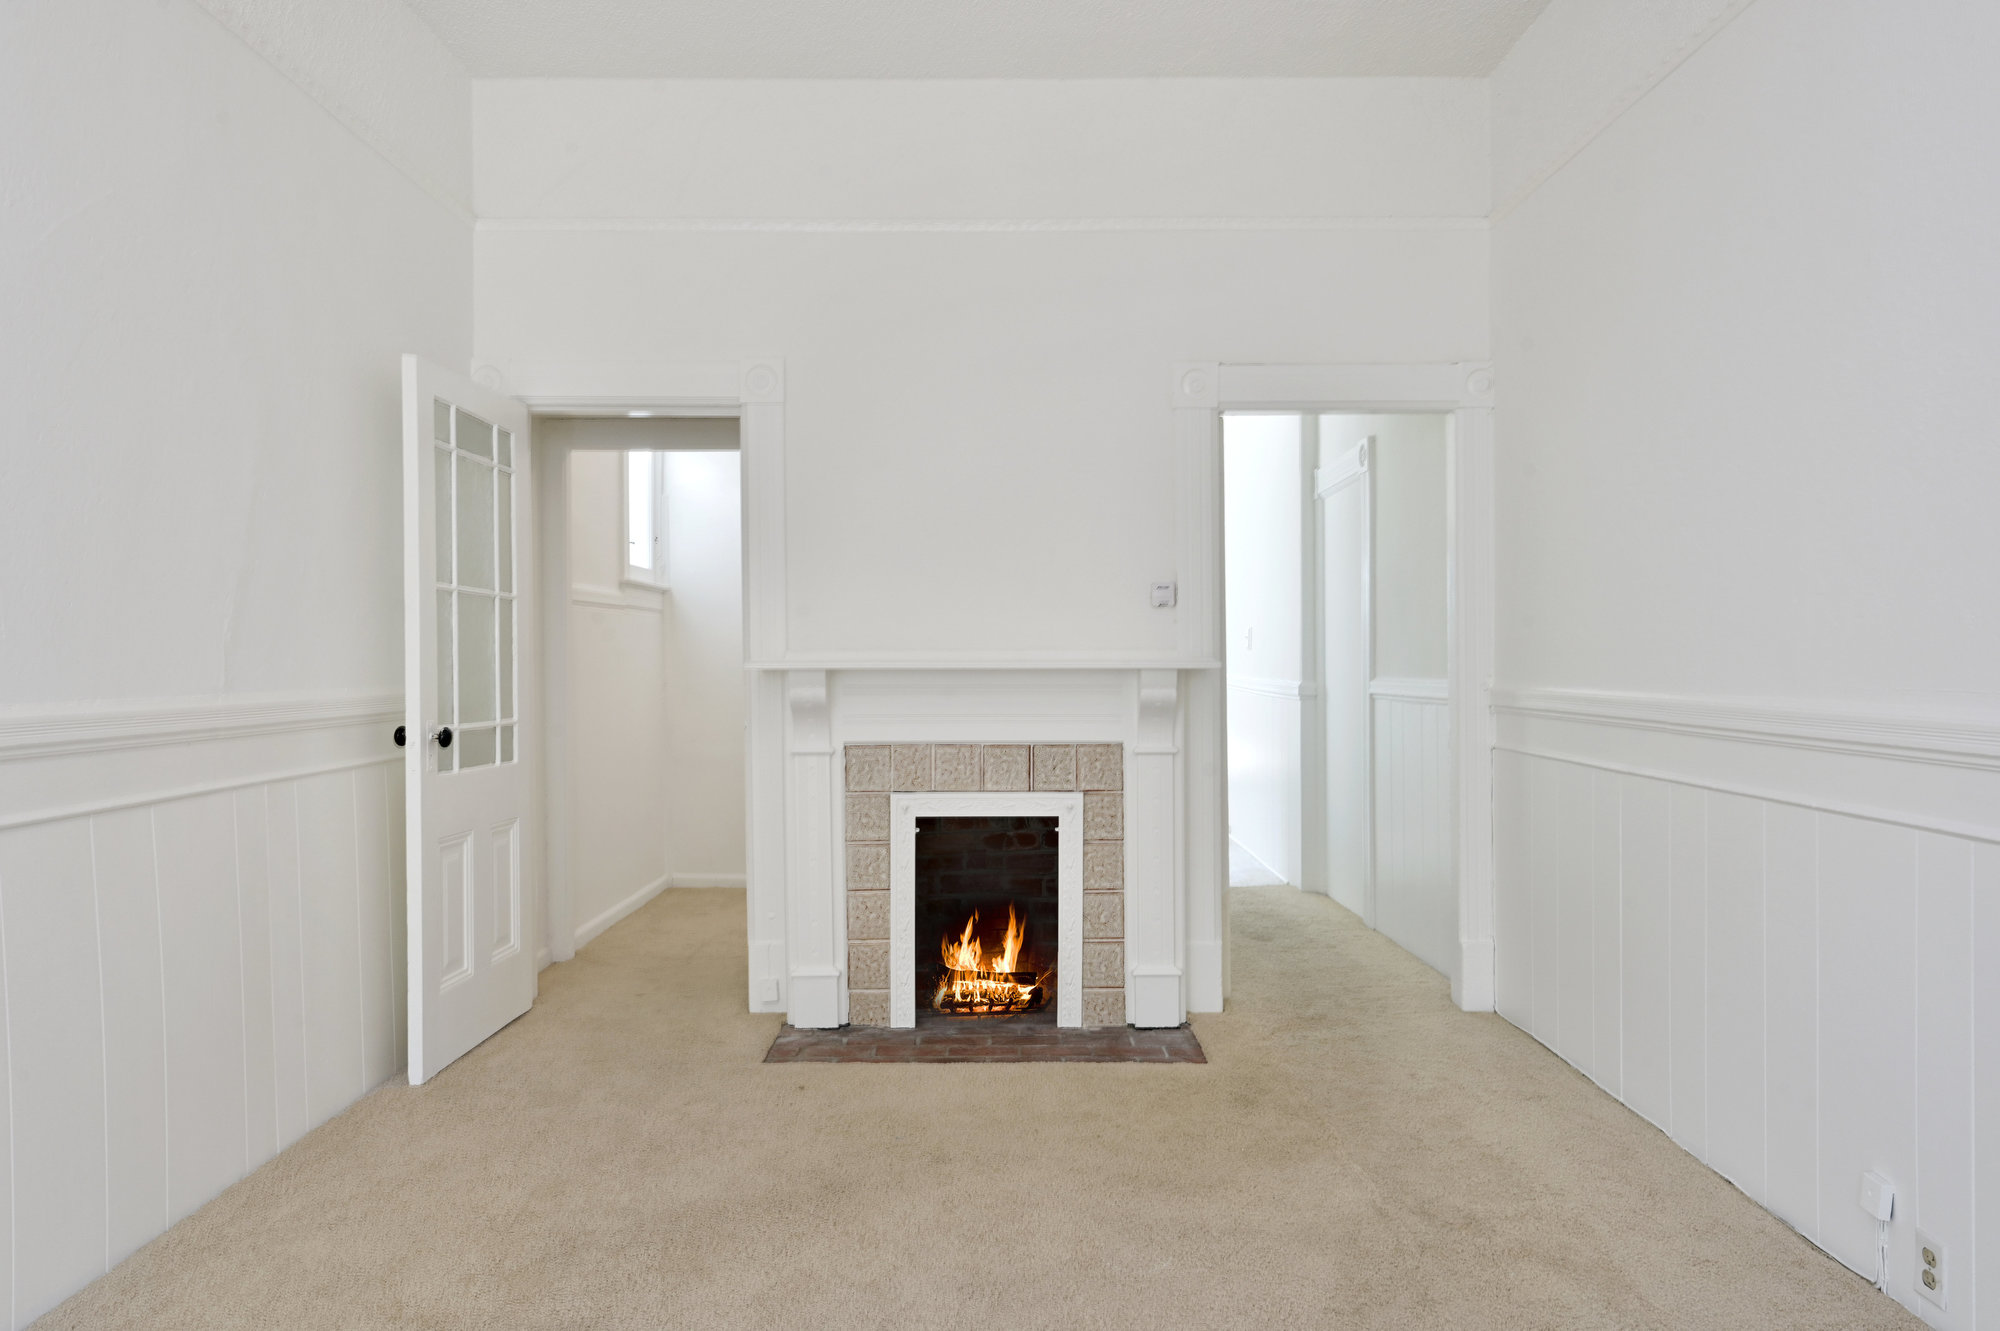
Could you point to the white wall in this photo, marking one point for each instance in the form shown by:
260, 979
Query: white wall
1750, 725
618, 710
1261, 486
979, 311
210, 274
704, 669
978, 335
656, 691
1408, 471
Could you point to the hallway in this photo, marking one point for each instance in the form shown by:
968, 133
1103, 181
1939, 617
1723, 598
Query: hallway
1356, 1153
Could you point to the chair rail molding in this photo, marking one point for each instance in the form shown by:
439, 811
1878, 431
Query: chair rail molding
96, 727
1909, 734
1410, 689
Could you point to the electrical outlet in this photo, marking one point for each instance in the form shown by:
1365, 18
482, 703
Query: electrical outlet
1930, 1268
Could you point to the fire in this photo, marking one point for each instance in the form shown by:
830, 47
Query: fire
978, 982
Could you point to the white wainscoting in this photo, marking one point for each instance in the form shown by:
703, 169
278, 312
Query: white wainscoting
1416, 892
191, 982
1782, 982
1266, 727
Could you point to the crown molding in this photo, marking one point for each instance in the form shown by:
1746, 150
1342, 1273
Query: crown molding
279, 35
97, 727
1614, 110
1909, 735
974, 225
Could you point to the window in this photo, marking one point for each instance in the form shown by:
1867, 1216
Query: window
645, 519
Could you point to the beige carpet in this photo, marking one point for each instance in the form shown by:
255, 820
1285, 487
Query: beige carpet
1356, 1154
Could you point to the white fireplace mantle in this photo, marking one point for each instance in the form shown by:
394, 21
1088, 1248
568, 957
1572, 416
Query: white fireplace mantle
803, 719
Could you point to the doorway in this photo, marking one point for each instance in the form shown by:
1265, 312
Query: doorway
1340, 770
646, 655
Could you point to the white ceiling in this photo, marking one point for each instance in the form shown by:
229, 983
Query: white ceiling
908, 39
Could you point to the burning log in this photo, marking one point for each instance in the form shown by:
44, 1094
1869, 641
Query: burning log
984, 984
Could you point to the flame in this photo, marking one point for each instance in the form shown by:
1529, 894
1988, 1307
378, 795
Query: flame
986, 982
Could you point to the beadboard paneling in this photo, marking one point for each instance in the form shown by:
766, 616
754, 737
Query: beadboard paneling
1416, 897
188, 985
1793, 992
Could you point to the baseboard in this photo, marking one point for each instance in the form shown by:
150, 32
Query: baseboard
1258, 860
704, 880
597, 924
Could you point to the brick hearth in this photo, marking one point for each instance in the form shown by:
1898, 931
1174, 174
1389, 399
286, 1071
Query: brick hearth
1034, 1038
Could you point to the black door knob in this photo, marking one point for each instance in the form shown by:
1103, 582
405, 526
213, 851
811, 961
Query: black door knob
401, 737
443, 737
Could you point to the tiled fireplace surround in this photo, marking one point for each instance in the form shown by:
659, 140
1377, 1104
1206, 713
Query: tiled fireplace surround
875, 771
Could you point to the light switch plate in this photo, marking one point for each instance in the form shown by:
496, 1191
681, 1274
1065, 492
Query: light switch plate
1164, 594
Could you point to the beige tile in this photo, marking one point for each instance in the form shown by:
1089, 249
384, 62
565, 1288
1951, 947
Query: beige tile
1103, 865
1003, 767
1100, 766
1055, 767
1101, 1007
1103, 965
870, 1007
868, 818
1103, 916
1104, 816
910, 767
867, 867
955, 766
868, 767
868, 915
868, 963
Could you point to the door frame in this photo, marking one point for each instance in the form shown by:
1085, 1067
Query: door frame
754, 393
1201, 392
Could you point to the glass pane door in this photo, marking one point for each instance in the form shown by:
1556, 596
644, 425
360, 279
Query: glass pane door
475, 588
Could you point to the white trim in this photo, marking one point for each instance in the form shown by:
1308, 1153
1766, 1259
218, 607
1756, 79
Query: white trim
1066, 807
634, 597
753, 392
240, 21
973, 225
1257, 860
1027, 661
1909, 734
598, 923
1465, 390
1613, 113
8, 822
96, 727
1770, 795
704, 880
1274, 688
1342, 471
1410, 689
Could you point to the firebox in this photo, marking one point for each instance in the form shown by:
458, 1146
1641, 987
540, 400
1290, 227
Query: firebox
985, 904
987, 890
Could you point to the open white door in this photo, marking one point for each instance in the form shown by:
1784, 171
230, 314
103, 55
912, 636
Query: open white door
466, 611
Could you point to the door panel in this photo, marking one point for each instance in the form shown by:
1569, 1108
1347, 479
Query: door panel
1344, 584
466, 462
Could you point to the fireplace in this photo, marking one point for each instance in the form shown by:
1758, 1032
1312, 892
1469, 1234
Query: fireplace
1027, 838
986, 897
